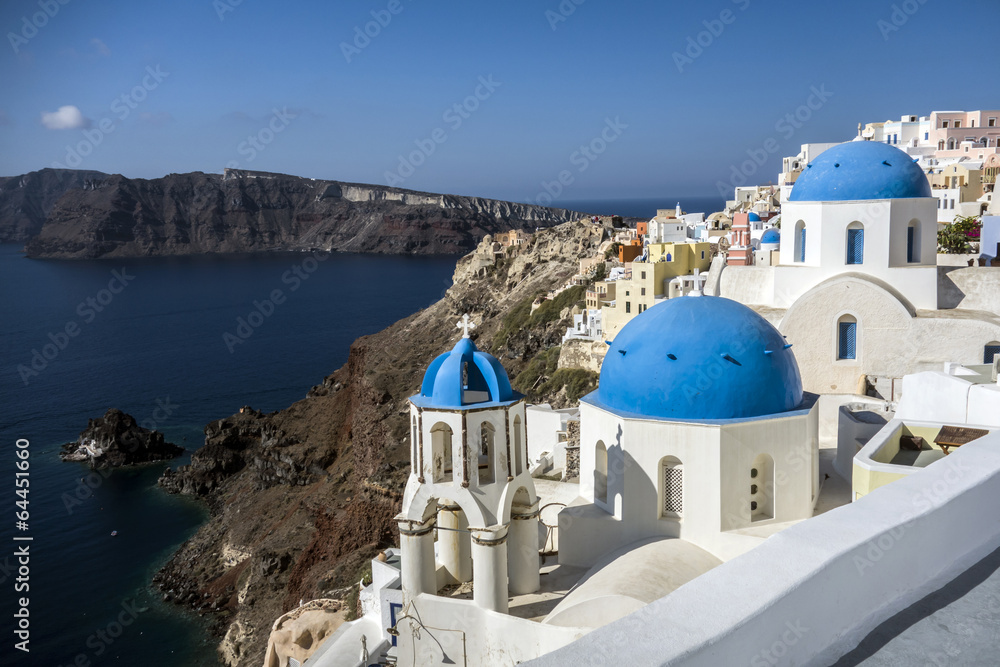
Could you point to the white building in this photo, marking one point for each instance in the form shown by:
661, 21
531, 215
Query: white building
700, 409
858, 289
469, 477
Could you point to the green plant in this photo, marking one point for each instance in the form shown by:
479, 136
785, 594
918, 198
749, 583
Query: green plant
549, 310
577, 381
957, 238
543, 365
600, 273
612, 251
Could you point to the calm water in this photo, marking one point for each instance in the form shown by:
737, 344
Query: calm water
155, 349
643, 208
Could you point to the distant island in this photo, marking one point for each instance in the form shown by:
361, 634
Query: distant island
68, 214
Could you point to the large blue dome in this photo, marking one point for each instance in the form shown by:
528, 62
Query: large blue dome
465, 376
699, 358
861, 170
771, 237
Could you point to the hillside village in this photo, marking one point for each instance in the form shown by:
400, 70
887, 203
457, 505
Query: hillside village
764, 371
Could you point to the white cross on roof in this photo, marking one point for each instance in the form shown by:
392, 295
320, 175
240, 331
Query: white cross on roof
466, 324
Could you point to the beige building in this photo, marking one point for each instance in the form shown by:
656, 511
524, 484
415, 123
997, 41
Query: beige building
662, 277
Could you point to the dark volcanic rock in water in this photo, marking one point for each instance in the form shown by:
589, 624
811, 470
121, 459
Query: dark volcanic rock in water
245, 211
115, 440
27, 200
249, 440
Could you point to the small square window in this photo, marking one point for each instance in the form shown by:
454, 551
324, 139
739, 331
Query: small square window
643, 292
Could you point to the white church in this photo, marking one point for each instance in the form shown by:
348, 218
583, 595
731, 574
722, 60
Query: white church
858, 288
710, 525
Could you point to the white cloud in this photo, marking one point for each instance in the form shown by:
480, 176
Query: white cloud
101, 48
67, 118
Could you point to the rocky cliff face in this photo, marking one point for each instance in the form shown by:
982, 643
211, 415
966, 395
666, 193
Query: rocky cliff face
245, 211
116, 440
303, 498
27, 200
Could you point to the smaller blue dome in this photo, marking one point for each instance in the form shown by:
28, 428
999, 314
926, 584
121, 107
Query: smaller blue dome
465, 376
771, 236
859, 171
753, 217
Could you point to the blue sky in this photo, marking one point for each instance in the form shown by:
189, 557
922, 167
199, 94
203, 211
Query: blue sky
271, 86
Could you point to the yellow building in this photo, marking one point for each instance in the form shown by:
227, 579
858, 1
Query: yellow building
683, 258
650, 281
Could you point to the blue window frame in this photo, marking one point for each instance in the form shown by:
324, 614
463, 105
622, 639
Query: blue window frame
855, 246
802, 245
990, 353
847, 348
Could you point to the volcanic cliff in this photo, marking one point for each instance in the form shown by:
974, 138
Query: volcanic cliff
247, 211
27, 200
303, 498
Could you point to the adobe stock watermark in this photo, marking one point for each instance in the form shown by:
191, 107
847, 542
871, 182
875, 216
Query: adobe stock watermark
364, 34
562, 13
898, 17
87, 310
101, 640
262, 310
789, 637
697, 44
122, 107
37, 21
454, 117
223, 7
786, 127
255, 143
929, 498
581, 158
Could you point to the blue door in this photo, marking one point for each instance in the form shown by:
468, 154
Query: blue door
802, 245
991, 353
909, 244
855, 246
393, 610
848, 340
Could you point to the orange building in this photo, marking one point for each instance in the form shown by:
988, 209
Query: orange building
628, 253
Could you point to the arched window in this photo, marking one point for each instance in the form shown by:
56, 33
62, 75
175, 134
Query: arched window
800, 241
441, 435
671, 488
486, 453
414, 444
951, 144
990, 352
913, 242
855, 243
847, 337
519, 456
762, 488
601, 472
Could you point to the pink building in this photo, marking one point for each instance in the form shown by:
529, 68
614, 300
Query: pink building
973, 134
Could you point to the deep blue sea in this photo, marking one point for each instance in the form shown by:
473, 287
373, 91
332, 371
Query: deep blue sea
149, 337
643, 208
